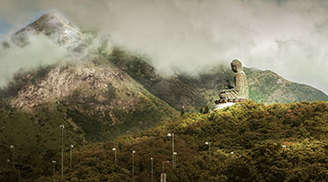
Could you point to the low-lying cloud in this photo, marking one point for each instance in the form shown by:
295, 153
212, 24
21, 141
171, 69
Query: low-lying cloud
41, 51
286, 36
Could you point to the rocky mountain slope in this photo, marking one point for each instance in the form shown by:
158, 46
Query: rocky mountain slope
96, 99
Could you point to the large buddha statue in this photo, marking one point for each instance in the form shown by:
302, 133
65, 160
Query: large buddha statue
239, 90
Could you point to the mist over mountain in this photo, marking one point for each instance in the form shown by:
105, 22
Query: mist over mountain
191, 34
49, 40
182, 88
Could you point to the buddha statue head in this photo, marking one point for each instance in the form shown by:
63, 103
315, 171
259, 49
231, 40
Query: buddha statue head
236, 66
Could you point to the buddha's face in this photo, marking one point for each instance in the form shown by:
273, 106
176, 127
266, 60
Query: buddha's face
234, 68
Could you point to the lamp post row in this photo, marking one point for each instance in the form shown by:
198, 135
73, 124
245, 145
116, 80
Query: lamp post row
62, 127
174, 154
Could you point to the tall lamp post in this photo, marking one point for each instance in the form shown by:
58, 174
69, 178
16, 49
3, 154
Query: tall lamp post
54, 168
70, 155
12, 148
163, 174
152, 169
209, 149
163, 165
133, 153
115, 155
62, 150
175, 159
172, 141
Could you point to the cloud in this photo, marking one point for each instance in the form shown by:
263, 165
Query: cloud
40, 52
288, 37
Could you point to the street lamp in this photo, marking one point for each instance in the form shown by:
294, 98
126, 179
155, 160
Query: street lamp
152, 168
172, 140
70, 155
174, 159
163, 174
62, 150
163, 165
12, 148
54, 168
209, 149
115, 154
133, 152
283, 146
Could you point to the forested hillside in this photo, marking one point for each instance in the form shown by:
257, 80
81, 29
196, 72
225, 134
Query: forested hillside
248, 142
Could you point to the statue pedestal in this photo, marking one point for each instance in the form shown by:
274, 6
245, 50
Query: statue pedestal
223, 105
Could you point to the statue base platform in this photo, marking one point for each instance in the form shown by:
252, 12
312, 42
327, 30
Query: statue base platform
223, 105
222, 101
220, 104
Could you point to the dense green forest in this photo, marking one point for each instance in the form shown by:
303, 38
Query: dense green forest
248, 142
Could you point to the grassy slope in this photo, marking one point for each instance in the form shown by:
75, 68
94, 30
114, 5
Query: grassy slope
268, 87
256, 134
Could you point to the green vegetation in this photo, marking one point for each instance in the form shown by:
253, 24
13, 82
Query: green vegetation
268, 87
36, 139
248, 142
36, 136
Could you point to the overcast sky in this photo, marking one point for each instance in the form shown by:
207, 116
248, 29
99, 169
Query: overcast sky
289, 37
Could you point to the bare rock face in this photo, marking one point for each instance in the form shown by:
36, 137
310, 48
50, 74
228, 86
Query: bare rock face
95, 99
87, 83
54, 26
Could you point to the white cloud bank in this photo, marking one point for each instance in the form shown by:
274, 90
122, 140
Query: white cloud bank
40, 52
288, 37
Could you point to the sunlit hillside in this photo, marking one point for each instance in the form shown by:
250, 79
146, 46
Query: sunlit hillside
246, 142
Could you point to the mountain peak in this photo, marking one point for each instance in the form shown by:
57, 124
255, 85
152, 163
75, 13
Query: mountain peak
53, 25
52, 20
